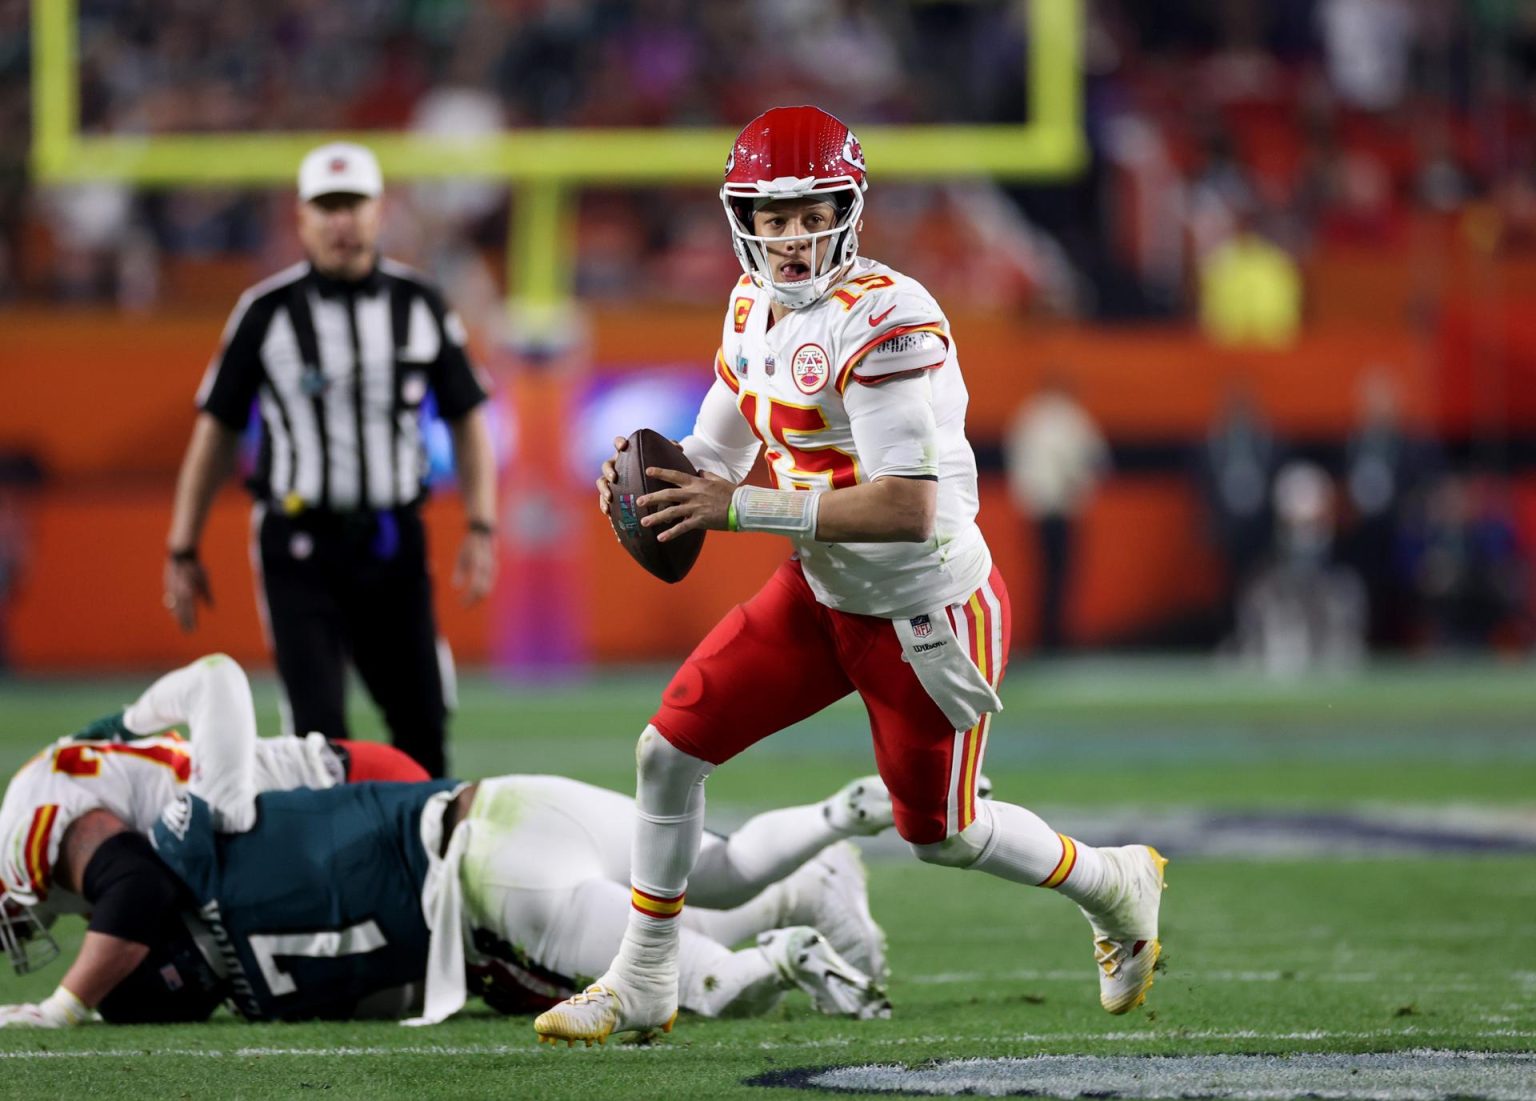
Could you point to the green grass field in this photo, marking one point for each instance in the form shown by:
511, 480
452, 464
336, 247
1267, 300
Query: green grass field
1354, 871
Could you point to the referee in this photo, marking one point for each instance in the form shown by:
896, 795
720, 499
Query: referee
338, 354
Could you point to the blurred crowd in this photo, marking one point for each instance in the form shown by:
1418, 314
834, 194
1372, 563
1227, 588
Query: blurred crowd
1234, 148
1323, 553
1384, 544
1229, 141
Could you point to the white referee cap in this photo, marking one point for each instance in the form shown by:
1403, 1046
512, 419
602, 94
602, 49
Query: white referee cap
340, 168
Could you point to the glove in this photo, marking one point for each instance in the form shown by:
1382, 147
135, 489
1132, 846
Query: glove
61, 1009
108, 728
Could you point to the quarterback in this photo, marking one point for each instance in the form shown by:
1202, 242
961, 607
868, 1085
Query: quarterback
845, 374
344, 924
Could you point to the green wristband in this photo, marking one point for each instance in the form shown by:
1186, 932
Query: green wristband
731, 523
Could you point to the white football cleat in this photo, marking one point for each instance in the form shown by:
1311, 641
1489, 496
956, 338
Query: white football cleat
861, 807
803, 958
1125, 944
597, 1013
832, 894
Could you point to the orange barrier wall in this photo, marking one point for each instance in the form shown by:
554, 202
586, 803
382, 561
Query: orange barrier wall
90, 594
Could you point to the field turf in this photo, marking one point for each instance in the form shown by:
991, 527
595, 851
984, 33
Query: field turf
1349, 938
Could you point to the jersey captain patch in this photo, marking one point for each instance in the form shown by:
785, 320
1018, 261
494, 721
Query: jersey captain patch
740, 311
810, 368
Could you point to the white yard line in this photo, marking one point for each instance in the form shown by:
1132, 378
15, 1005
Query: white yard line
1162, 1036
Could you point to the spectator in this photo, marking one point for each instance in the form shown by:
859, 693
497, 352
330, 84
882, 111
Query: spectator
1303, 612
1384, 468
1367, 46
1236, 467
1250, 289
1466, 564
1055, 458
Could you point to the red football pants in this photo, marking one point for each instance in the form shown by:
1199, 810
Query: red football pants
377, 761
782, 657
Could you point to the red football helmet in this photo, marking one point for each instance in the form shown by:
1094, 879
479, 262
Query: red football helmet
795, 153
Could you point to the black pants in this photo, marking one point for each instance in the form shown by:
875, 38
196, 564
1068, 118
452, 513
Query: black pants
1053, 533
355, 586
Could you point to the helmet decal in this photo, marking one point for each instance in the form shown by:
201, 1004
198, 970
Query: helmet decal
853, 152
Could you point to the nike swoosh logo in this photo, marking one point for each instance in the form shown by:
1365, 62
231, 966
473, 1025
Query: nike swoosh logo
875, 319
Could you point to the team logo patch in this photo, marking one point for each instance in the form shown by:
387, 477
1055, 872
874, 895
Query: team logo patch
740, 312
922, 627
810, 368
853, 152
338, 164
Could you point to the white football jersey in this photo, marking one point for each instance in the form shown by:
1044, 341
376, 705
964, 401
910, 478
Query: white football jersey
134, 781
791, 379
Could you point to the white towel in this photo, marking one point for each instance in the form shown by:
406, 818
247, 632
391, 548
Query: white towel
947, 673
442, 904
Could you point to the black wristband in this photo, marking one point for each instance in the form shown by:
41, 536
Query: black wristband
481, 527
185, 556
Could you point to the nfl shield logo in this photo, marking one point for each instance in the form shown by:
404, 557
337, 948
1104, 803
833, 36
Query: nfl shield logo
768, 365
921, 627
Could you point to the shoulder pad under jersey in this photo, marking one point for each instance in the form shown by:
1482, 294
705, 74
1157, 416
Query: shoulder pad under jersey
892, 326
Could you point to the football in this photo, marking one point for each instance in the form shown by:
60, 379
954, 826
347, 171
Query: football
671, 560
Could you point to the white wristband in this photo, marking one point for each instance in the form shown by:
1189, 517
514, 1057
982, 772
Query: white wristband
789, 512
62, 1008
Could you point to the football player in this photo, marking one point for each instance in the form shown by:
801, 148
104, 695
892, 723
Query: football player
121, 765
538, 904
845, 373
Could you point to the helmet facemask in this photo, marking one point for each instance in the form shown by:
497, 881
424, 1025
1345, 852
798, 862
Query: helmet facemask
25, 937
845, 195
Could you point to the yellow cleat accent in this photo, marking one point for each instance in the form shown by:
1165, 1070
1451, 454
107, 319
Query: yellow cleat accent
591, 1016
1126, 946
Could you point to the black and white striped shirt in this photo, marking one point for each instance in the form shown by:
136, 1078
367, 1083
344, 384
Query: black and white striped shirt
339, 372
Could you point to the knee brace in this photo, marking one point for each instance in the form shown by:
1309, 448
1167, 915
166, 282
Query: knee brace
959, 850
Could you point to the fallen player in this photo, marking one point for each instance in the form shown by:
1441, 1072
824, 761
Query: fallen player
316, 909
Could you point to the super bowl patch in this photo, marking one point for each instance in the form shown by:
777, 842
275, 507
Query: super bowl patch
810, 368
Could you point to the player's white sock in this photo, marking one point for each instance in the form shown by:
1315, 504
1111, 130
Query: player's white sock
1022, 848
669, 821
763, 851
